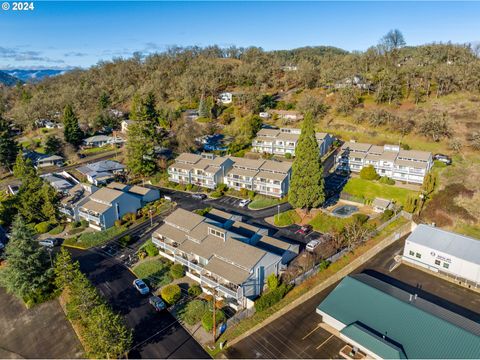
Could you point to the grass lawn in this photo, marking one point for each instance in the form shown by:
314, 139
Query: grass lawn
326, 223
286, 218
96, 150
154, 271
369, 190
468, 230
261, 202
96, 238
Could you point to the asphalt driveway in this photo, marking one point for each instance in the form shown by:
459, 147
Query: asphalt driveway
39, 332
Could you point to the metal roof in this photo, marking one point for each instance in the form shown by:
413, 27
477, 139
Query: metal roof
460, 246
423, 330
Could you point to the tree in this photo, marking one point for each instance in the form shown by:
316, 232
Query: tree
272, 282
354, 234
65, 269
8, 145
313, 105
412, 203
171, 293
27, 274
392, 40
177, 271
104, 101
429, 183
72, 132
369, 173
435, 126
347, 99
307, 185
23, 168
53, 145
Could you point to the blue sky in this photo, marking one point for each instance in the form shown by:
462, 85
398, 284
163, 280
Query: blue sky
62, 34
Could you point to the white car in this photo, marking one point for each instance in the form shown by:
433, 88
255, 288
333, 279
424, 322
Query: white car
244, 203
141, 286
312, 245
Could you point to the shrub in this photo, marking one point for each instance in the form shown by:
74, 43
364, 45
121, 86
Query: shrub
125, 240
203, 212
57, 229
360, 218
222, 188
177, 271
288, 156
118, 222
251, 195
76, 224
386, 180
439, 164
272, 282
43, 227
270, 298
207, 319
171, 293
151, 249
194, 311
194, 290
84, 223
387, 215
369, 173
216, 194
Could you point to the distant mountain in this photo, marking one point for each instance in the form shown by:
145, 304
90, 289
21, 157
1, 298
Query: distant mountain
33, 75
7, 79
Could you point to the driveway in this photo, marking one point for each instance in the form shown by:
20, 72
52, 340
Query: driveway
156, 335
40, 332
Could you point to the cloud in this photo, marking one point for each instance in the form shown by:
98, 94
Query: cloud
75, 54
20, 55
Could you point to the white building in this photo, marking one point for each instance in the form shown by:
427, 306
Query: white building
444, 252
102, 140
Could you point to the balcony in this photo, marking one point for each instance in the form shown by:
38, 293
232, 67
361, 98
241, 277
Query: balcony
220, 288
239, 180
349, 352
66, 211
163, 245
89, 217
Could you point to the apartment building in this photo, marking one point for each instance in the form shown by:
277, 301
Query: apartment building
220, 252
206, 170
284, 141
266, 177
409, 166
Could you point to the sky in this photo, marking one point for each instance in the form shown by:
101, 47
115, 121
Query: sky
63, 34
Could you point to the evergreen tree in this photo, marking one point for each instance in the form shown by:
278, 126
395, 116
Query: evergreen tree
72, 132
8, 145
65, 269
135, 107
429, 183
306, 187
104, 101
203, 110
23, 168
53, 145
27, 274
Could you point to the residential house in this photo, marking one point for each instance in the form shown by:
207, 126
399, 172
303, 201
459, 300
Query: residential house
102, 140
206, 170
146, 194
409, 166
284, 141
48, 124
191, 114
287, 115
356, 81
223, 254
101, 172
60, 182
43, 160
225, 98
106, 205
74, 199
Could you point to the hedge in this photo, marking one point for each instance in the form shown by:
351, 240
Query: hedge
177, 271
207, 319
151, 249
270, 298
194, 290
57, 230
171, 293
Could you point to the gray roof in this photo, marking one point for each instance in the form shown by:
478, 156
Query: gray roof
460, 246
101, 166
381, 203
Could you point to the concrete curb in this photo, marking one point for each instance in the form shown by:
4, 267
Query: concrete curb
75, 247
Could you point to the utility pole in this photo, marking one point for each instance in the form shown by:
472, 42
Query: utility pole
214, 319
151, 218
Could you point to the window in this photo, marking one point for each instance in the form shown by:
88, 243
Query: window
418, 255
437, 262
446, 265
411, 253
216, 233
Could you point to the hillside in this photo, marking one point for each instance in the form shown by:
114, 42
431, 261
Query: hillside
7, 79
33, 75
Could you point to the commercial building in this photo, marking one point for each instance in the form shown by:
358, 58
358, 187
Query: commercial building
444, 252
265, 177
284, 141
381, 321
220, 252
409, 166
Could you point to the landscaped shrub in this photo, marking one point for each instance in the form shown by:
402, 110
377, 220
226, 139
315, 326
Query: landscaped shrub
118, 222
43, 227
177, 271
369, 173
386, 180
272, 282
207, 319
84, 223
194, 290
189, 187
171, 293
270, 298
251, 194
57, 230
360, 218
288, 156
439, 164
222, 188
216, 194
387, 215
76, 224
125, 240
203, 212
194, 312
151, 249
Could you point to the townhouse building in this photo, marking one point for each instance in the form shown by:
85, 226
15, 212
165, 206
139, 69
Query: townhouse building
409, 166
222, 253
284, 141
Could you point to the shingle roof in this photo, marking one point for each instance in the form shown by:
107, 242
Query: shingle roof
460, 246
382, 203
229, 272
184, 219
188, 158
140, 190
117, 186
422, 329
95, 206
277, 166
106, 195
354, 146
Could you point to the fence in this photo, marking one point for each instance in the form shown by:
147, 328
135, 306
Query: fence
239, 316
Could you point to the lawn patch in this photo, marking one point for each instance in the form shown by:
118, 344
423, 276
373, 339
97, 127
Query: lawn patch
91, 239
286, 218
262, 202
154, 271
327, 223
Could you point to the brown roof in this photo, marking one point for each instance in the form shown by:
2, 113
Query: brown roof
277, 166
268, 132
410, 163
184, 219
242, 172
288, 137
188, 158
140, 190
247, 163
117, 186
171, 233
271, 176
181, 166
94, 206
321, 135
381, 203
106, 195
388, 156
277, 243
229, 272
354, 146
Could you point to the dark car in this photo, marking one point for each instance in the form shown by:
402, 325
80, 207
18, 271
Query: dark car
199, 196
304, 230
157, 303
443, 158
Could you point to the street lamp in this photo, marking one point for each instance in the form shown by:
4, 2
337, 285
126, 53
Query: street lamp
151, 218
278, 211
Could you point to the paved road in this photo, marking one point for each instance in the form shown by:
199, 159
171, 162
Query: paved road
155, 335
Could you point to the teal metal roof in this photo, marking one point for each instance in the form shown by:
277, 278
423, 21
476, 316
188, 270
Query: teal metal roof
420, 334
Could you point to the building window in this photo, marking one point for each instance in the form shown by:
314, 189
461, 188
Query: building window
437, 262
411, 253
446, 266
418, 255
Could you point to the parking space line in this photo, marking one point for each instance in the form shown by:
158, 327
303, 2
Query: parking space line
323, 343
311, 332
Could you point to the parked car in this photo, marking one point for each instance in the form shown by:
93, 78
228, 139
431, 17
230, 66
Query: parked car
312, 245
50, 242
157, 303
244, 203
166, 197
304, 230
199, 196
141, 286
443, 158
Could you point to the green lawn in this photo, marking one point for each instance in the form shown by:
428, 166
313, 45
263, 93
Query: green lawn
326, 223
91, 239
154, 271
286, 218
369, 190
261, 202
96, 150
468, 230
